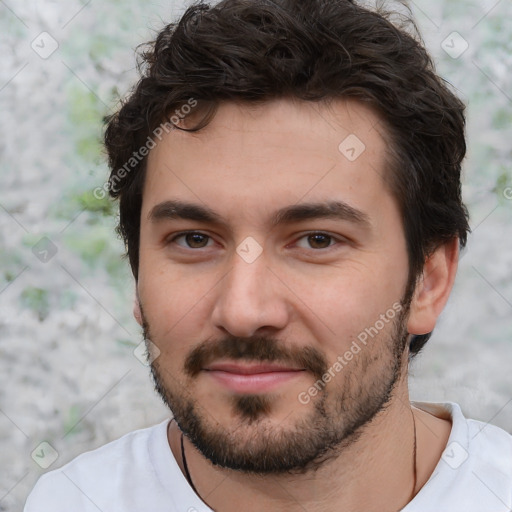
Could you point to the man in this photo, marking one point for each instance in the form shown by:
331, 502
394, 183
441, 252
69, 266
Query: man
289, 183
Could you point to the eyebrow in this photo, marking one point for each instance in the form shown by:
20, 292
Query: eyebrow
339, 210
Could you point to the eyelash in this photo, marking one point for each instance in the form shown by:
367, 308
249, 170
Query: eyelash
305, 235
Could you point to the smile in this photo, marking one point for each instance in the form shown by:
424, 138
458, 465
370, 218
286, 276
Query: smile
255, 378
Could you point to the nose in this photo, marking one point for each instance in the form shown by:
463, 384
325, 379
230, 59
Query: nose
250, 298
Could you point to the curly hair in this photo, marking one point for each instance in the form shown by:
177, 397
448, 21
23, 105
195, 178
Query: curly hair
314, 50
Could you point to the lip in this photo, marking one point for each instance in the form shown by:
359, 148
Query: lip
252, 378
250, 369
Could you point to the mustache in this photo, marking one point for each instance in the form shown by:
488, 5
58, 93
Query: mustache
255, 348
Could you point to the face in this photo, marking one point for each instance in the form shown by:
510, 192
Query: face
273, 266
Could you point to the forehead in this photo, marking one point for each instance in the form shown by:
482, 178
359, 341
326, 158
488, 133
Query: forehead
251, 157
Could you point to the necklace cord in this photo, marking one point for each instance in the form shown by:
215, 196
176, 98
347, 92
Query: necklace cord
414, 459
189, 477
185, 467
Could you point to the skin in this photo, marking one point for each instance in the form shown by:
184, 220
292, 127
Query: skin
247, 163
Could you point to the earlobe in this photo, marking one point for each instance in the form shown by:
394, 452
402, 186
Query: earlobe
136, 310
433, 288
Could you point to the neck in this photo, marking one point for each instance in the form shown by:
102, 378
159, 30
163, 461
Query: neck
382, 460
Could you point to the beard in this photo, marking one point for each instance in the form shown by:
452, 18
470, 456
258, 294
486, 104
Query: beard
333, 420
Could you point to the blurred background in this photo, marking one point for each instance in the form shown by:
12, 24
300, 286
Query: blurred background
72, 372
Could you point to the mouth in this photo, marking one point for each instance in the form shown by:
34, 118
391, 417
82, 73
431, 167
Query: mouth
252, 378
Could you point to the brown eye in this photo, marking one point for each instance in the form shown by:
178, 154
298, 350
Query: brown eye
319, 241
196, 240
193, 240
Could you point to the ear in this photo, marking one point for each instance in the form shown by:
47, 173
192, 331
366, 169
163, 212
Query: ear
137, 313
433, 288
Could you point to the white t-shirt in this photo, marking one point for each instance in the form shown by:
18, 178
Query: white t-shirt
138, 473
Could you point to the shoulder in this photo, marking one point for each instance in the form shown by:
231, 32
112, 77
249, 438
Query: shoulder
90, 479
481, 440
483, 461
491, 446
474, 472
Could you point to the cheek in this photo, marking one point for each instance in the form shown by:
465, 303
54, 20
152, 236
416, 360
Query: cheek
174, 303
347, 294
341, 305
